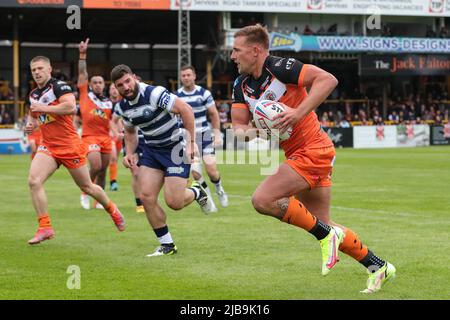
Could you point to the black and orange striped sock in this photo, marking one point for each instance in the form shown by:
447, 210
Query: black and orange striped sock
353, 246
44, 221
299, 216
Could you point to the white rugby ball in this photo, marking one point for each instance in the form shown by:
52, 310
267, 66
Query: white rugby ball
263, 114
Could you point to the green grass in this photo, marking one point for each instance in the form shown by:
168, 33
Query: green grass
397, 200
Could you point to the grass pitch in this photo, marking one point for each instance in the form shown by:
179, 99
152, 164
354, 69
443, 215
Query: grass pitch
397, 200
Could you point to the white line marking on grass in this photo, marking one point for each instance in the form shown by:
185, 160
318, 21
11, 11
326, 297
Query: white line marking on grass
239, 196
406, 214
364, 210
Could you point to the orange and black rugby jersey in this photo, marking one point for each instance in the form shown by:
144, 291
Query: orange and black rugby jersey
57, 130
282, 80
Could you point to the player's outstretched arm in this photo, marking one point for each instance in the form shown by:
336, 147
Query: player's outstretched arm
82, 65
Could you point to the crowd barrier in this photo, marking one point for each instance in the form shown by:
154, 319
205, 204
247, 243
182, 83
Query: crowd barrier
13, 141
386, 136
440, 135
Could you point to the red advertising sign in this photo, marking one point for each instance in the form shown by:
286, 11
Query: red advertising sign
127, 4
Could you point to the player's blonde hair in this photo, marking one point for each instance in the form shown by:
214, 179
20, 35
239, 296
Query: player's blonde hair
40, 58
255, 34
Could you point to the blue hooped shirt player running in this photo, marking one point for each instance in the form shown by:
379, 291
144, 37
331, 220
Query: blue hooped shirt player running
150, 111
167, 152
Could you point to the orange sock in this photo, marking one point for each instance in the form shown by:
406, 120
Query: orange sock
113, 172
353, 246
110, 207
299, 216
44, 221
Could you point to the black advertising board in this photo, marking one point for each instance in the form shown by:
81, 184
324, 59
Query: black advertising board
410, 64
440, 135
341, 137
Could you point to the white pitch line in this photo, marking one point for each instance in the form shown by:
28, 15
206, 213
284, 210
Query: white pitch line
373, 211
364, 210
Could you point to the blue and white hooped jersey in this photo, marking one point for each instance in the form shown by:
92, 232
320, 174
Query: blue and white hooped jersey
151, 113
200, 100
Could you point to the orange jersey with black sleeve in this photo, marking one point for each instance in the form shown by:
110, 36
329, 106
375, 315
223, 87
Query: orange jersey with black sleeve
282, 80
95, 111
58, 131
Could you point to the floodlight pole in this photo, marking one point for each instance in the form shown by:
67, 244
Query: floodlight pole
16, 66
184, 39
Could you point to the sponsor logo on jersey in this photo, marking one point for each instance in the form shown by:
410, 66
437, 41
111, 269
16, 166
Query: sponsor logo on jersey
99, 113
249, 90
147, 113
165, 99
265, 83
290, 63
208, 150
270, 95
279, 62
45, 118
94, 147
42, 148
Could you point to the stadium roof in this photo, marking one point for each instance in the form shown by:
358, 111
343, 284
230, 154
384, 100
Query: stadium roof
107, 26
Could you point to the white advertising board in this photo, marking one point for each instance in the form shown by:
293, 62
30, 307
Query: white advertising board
374, 137
362, 7
413, 135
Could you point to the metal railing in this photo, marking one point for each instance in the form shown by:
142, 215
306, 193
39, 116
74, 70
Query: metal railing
11, 103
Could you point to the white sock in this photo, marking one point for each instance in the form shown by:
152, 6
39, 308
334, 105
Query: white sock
165, 239
163, 235
217, 184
